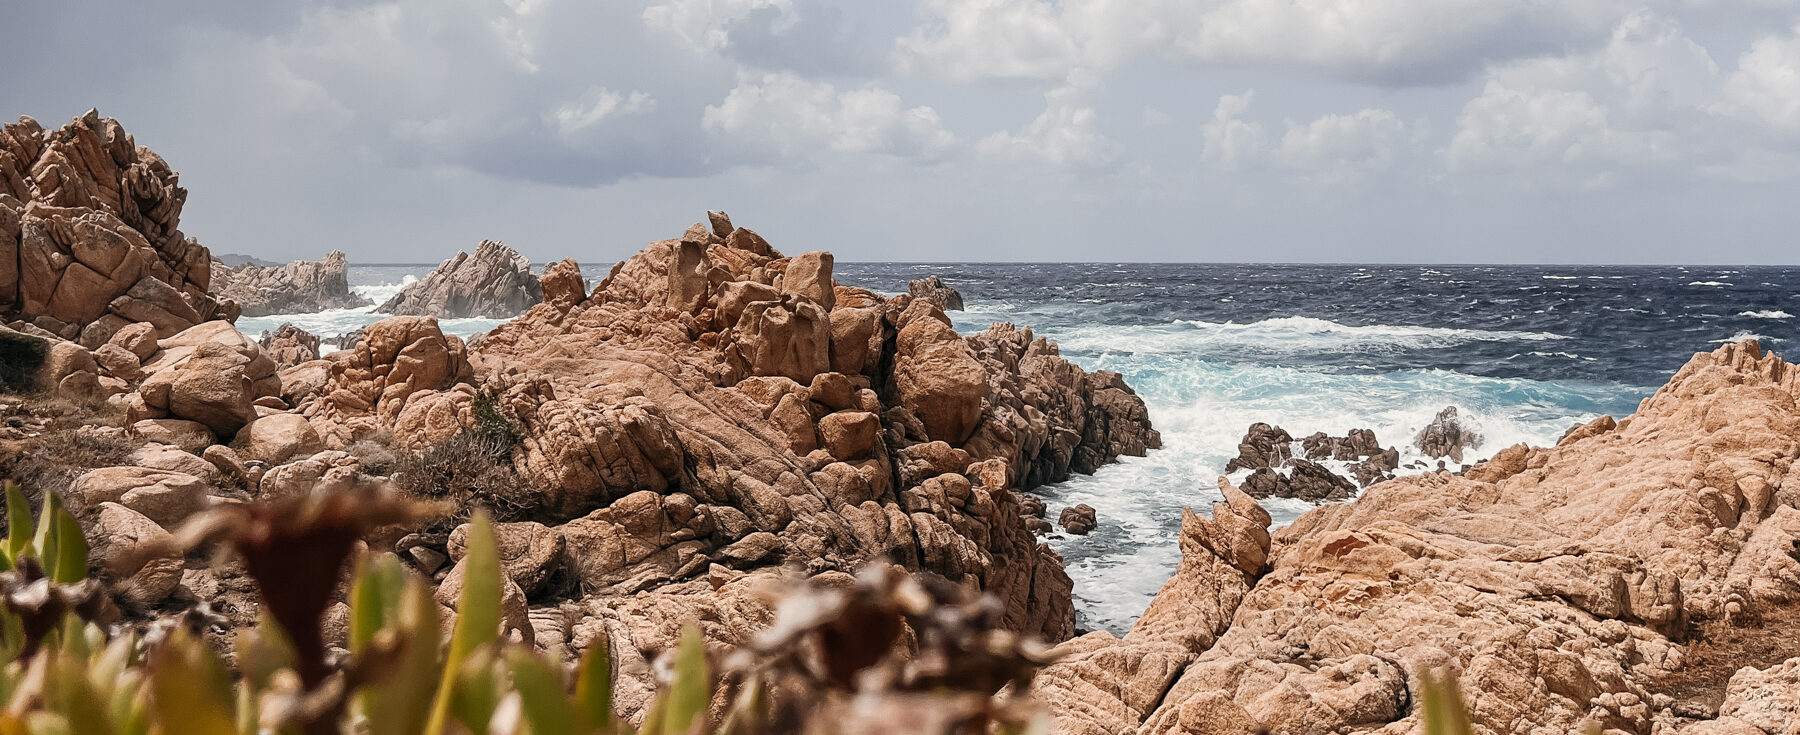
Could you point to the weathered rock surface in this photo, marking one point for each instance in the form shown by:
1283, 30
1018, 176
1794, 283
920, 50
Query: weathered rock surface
1107, 685
89, 234
1447, 436
1558, 585
713, 407
1305, 480
496, 282
1079, 520
135, 553
1264, 446
1278, 473
405, 375
211, 374
290, 345
300, 287
932, 288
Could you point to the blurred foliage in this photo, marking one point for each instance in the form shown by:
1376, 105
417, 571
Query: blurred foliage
885, 652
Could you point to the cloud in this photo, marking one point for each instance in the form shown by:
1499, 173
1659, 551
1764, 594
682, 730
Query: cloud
596, 105
1766, 84
1066, 136
706, 25
786, 116
1651, 102
1363, 141
807, 36
1330, 148
1390, 42
1232, 143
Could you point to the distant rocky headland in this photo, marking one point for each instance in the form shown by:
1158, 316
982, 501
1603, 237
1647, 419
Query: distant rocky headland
715, 418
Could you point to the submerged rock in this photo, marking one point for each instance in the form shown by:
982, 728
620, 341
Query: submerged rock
496, 282
932, 288
1447, 436
1079, 520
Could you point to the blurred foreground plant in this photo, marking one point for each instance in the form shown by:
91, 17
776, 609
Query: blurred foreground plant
885, 652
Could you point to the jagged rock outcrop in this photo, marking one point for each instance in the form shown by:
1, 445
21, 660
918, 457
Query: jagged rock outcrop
300, 287
1105, 685
1447, 435
1264, 446
1278, 473
496, 282
89, 234
1559, 585
1304, 480
712, 402
932, 288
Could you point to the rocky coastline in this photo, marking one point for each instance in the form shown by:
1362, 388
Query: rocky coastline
302, 286
714, 419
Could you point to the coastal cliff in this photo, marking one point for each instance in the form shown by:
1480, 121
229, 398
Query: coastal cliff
1613, 581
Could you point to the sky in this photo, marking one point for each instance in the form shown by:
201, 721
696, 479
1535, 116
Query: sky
1414, 131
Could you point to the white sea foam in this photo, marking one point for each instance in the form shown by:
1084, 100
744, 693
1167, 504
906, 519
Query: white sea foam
381, 292
1293, 334
1773, 314
1744, 334
1708, 283
1202, 408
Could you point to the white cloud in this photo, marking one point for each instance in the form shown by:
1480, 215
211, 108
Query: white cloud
1766, 84
706, 24
1343, 144
1232, 143
1067, 135
1330, 148
1387, 41
787, 115
1650, 100
597, 104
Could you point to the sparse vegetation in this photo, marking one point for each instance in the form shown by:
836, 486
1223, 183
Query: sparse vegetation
65, 439
472, 469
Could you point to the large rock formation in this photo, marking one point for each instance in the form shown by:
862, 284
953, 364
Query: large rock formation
300, 287
713, 402
495, 282
1563, 587
89, 234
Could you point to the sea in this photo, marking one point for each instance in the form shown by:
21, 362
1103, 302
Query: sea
1523, 351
